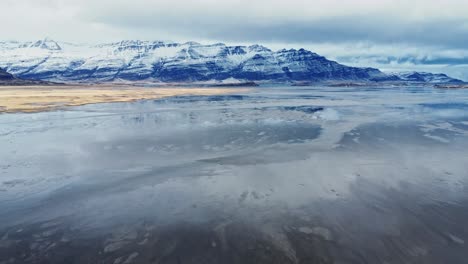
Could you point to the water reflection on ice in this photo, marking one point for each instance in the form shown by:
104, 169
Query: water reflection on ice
351, 175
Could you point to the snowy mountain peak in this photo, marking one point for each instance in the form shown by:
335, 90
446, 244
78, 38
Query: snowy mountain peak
192, 43
46, 43
258, 48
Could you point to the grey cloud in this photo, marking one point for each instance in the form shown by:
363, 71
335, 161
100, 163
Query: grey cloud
406, 59
446, 33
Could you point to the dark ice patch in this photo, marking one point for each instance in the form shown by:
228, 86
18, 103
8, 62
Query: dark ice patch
303, 108
443, 106
203, 98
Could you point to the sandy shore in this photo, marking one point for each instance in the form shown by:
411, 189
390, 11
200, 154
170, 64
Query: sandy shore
41, 98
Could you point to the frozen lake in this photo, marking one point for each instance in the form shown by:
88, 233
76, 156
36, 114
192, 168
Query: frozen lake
272, 175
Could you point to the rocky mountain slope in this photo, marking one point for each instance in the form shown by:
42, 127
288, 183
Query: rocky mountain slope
5, 76
179, 62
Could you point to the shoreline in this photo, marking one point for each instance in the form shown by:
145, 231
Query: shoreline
39, 98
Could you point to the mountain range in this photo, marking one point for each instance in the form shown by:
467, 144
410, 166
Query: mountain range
158, 61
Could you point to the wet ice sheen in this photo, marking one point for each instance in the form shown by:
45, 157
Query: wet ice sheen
347, 175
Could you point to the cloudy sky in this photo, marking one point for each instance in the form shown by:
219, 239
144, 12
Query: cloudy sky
430, 35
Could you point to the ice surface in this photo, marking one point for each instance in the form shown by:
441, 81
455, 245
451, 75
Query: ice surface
375, 173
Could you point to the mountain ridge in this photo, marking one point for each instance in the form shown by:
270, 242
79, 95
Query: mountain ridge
8, 79
158, 61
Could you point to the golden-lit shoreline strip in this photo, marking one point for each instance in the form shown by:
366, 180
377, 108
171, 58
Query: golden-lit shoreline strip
44, 98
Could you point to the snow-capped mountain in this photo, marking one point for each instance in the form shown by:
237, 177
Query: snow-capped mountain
174, 62
424, 77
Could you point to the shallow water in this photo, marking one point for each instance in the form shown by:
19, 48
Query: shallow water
274, 175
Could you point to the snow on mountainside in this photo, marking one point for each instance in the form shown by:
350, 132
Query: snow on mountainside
425, 77
8, 79
176, 62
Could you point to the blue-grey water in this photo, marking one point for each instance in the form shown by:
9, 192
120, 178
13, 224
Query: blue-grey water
270, 175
